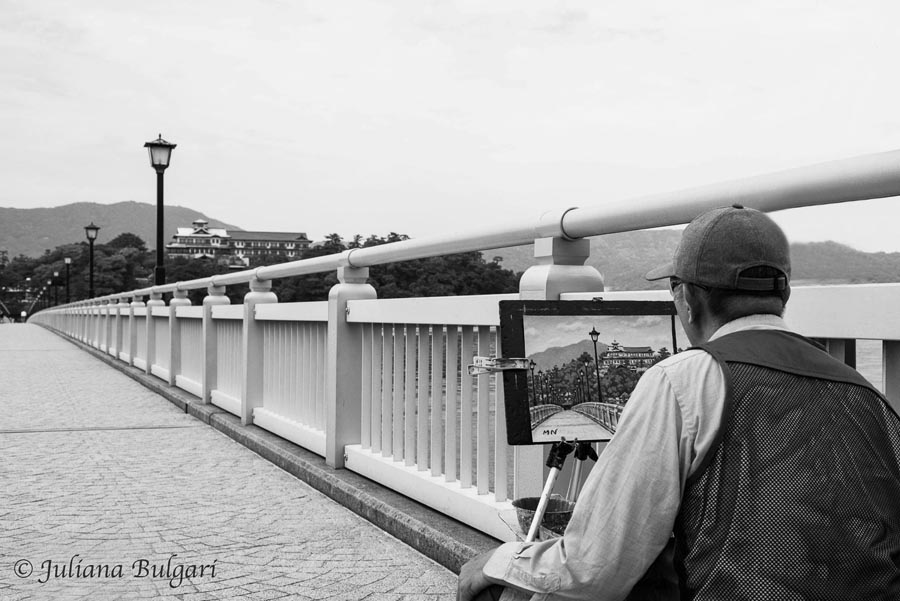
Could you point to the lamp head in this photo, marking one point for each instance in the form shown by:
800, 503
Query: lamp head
91, 231
160, 153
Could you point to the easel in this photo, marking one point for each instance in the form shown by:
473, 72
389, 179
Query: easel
558, 451
555, 461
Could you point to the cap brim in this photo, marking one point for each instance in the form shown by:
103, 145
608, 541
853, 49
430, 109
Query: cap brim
663, 271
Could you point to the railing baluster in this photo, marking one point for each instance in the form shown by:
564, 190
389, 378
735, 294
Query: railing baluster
307, 377
377, 386
365, 430
421, 407
295, 358
409, 397
319, 370
483, 445
437, 408
387, 407
397, 388
466, 438
451, 405
500, 445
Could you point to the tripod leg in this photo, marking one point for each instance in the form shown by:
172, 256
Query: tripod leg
575, 481
542, 505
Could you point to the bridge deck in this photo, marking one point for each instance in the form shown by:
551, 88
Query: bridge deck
103, 483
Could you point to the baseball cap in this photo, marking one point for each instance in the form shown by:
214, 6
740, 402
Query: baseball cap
718, 246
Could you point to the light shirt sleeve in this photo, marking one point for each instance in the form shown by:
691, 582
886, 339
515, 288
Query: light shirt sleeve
626, 512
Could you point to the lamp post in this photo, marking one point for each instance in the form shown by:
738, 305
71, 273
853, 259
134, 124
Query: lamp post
594, 334
55, 288
531, 365
68, 263
160, 153
91, 232
49, 290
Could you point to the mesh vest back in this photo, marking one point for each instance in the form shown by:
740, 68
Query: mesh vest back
800, 497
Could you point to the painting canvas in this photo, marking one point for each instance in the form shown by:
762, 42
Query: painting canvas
584, 359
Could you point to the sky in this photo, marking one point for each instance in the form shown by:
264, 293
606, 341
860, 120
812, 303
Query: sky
545, 331
427, 118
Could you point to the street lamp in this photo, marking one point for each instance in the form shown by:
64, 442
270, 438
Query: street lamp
68, 263
91, 232
594, 334
160, 153
55, 288
531, 365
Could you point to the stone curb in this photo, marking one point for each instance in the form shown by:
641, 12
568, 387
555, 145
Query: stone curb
443, 539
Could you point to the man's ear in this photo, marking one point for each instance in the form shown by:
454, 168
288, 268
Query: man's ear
692, 302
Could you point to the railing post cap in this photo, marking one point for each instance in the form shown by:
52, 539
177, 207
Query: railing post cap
353, 275
550, 225
258, 285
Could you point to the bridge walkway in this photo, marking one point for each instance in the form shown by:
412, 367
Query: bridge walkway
108, 491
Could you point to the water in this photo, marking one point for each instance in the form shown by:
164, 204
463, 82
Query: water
868, 362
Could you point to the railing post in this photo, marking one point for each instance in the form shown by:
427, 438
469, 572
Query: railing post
117, 327
560, 268
136, 301
179, 299
253, 361
343, 375
90, 323
101, 323
107, 324
215, 296
150, 339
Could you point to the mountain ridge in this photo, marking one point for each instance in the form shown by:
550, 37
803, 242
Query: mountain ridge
31, 232
621, 258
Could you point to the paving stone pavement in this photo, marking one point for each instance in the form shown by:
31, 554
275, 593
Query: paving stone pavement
108, 491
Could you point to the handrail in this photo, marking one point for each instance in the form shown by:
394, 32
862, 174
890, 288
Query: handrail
859, 178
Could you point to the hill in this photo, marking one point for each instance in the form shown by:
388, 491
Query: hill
624, 258
30, 232
553, 356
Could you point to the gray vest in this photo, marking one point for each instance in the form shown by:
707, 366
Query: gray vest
799, 498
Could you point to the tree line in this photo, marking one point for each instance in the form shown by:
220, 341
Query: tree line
125, 264
576, 382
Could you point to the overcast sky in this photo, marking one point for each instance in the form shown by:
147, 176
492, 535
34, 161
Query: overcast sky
426, 117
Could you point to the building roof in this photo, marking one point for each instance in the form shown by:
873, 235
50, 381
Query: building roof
200, 230
273, 236
210, 231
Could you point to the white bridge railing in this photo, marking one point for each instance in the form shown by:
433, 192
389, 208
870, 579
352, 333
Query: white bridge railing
380, 386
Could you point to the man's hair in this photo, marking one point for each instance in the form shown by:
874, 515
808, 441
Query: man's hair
732, 304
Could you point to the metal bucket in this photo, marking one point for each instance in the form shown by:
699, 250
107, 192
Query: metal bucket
556, 517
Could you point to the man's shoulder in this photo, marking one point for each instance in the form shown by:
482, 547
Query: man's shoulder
683, 359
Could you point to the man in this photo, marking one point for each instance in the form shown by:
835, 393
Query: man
773, 467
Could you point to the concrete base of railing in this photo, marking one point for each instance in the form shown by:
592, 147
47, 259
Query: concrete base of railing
446, 541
